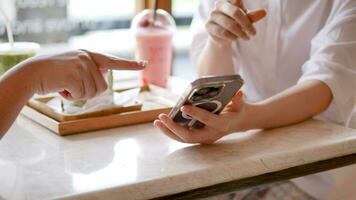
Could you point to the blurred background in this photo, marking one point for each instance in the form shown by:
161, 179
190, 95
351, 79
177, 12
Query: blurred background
101, 25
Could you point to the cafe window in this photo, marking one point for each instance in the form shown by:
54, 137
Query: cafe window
100, 14
71, 24
54, 21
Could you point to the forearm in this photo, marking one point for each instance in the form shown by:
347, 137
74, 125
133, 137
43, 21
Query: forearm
215, 59
15, 90
293, 105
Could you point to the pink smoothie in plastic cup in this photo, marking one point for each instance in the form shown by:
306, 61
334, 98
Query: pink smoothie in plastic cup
154, 44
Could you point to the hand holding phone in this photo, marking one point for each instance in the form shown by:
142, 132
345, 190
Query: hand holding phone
200, 124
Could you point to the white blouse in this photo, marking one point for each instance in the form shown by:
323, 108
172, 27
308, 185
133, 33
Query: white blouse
298, 41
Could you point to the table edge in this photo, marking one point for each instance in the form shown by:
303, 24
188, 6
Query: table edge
281, 175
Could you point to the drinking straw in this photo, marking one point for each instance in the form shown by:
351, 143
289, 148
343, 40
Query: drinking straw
155, 11
10, 36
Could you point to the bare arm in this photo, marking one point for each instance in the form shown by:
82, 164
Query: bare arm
293, 105
16, 88
215, 59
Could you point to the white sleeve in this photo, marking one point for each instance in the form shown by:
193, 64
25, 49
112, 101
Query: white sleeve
200, 35
333, 60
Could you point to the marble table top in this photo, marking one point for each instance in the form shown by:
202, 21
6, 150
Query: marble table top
138, 162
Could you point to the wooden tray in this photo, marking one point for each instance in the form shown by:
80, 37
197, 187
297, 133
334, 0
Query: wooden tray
40, 112
40, 104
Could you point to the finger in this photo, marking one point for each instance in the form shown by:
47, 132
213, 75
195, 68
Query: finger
237, 102
229, 24
219, 32
257, 15
237, 97
76, 90
89, 85
238, 15
112, 62
74, 85
193, 136
178, 130
239, 4
202, 115
83, 68
98, 78
166, 131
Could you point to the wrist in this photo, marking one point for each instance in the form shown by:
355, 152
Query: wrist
253, 117
261, 116
212, 43
29, 73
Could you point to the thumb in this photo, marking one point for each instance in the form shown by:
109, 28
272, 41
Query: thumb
256, 15
237, 101
105, 61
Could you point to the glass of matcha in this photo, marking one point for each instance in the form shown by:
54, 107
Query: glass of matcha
11, 55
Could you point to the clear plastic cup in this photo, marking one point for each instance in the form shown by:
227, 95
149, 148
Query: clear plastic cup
12, 55
154, 44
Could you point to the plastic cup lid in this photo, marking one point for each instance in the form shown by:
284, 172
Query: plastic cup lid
19, 48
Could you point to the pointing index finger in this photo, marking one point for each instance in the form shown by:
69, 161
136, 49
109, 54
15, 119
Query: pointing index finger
105, 61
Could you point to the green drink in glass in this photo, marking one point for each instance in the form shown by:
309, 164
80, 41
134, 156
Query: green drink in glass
11, 55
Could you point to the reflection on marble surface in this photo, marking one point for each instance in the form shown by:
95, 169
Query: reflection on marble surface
121, 168
138, 162
40, 164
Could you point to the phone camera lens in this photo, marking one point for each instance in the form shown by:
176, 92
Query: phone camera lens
206, 93
213, 93
197, 98
202, 91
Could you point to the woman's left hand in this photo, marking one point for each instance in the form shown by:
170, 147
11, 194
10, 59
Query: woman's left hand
233, 118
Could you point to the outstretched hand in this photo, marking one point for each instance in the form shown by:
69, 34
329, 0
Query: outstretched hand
76, 74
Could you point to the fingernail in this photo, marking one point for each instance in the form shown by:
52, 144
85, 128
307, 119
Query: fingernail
155, 123
184, 109
251, 30
143, 63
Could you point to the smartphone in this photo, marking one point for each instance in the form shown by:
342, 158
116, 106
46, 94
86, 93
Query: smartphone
211, 93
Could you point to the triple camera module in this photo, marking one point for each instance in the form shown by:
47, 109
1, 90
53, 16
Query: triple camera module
206, 93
